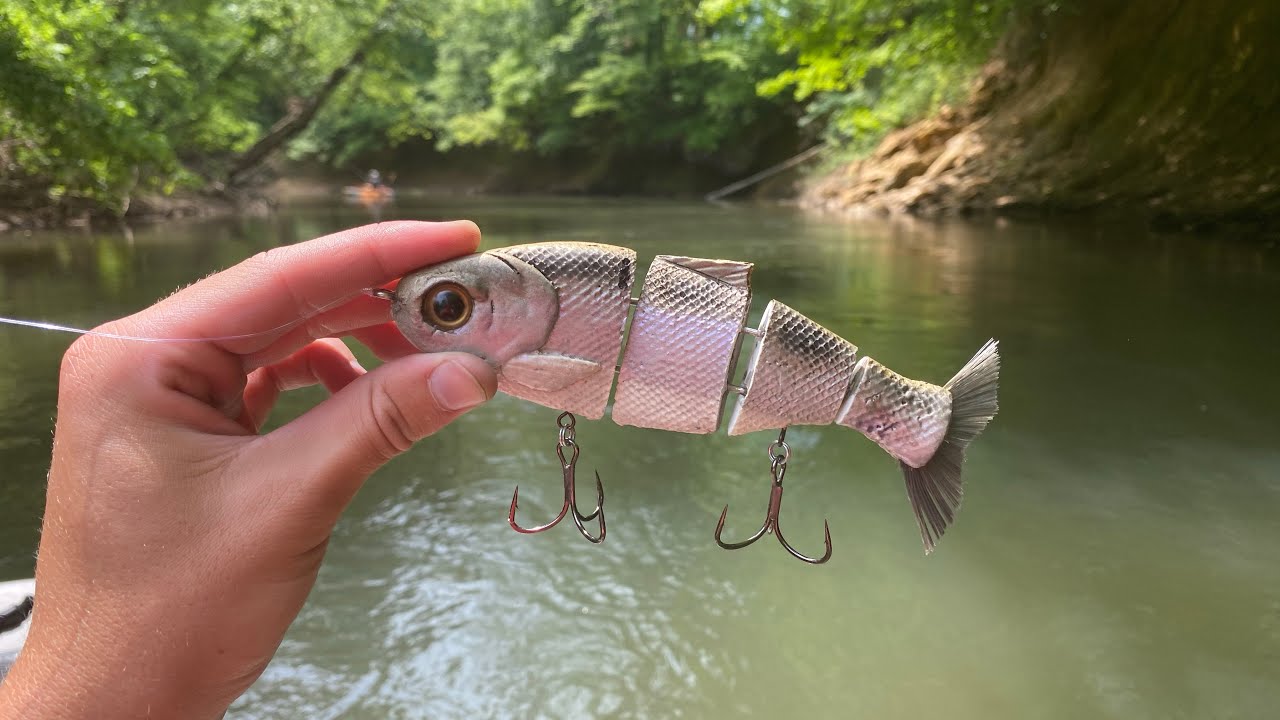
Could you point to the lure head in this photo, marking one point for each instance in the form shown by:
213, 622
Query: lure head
548, 317
494, 307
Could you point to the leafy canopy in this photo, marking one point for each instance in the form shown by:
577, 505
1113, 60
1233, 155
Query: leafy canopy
100, 99
865, 66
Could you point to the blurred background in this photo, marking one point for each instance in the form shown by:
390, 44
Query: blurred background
1094, 183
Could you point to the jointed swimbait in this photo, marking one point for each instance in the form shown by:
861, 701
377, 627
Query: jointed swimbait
552, 319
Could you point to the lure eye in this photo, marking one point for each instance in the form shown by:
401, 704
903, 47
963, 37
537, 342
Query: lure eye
447, 306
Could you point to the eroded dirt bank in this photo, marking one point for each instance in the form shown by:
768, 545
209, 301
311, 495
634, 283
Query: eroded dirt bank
1165, 108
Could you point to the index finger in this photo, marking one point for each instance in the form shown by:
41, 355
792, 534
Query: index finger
276, 289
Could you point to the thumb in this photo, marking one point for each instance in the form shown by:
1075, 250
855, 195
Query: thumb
326, 455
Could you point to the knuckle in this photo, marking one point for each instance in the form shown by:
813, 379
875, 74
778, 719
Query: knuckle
266, 261
73, 360
391, 432
84, 358
268, 265
273, 266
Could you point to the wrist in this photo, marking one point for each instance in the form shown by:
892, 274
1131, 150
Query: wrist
42, 688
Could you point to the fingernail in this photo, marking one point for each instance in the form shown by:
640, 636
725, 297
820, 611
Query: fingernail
454, 388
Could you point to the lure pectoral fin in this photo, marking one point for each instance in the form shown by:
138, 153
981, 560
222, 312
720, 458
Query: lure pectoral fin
547, 372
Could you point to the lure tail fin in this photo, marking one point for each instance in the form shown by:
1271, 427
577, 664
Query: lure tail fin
936, 488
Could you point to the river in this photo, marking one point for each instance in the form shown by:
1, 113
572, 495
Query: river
1117, 555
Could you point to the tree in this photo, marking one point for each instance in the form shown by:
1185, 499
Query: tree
866, 66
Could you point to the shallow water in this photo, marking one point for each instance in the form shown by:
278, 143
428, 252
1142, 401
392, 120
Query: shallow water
1116, 556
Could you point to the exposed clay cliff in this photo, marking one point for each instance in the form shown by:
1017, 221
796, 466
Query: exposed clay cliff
1166, 107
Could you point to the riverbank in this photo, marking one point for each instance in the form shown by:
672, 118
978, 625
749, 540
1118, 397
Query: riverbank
1166, 124
141, 210
419, 169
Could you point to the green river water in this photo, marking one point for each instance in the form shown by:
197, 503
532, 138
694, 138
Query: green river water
1117, 555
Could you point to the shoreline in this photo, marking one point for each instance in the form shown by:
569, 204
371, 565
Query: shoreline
940, 168
142, 210
847, 192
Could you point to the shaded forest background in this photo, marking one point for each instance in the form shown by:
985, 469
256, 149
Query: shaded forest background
1161, 107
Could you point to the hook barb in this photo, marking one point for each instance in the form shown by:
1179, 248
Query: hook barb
826, 541
511, 516
597, 514
738, 545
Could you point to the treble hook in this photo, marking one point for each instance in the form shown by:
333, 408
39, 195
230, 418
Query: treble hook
566, 423
779, 454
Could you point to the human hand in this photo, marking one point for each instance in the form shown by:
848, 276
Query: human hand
178, 543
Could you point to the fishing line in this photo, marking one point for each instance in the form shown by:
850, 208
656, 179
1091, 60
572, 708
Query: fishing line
54, 327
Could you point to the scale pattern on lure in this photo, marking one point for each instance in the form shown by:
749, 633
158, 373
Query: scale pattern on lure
552, 319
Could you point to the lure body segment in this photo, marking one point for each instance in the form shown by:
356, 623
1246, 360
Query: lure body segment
798, 374
684, 339
551, 318
574, 370
908, 418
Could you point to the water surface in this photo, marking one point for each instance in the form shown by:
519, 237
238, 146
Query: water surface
1116, 555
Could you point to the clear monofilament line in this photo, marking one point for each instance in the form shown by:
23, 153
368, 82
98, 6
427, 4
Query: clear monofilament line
138, 338
40, 325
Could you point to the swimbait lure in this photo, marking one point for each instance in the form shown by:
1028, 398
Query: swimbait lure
552, 318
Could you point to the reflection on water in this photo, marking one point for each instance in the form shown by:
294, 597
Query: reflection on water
1115, 556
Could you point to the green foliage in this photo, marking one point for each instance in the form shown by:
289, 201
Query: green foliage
865, 66
99, 98
103, 98
559, 76
385, 102
72, 116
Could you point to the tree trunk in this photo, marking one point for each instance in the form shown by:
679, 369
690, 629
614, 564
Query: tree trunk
301, 115
293, 123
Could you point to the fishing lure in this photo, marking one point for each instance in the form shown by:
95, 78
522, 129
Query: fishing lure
553, 319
